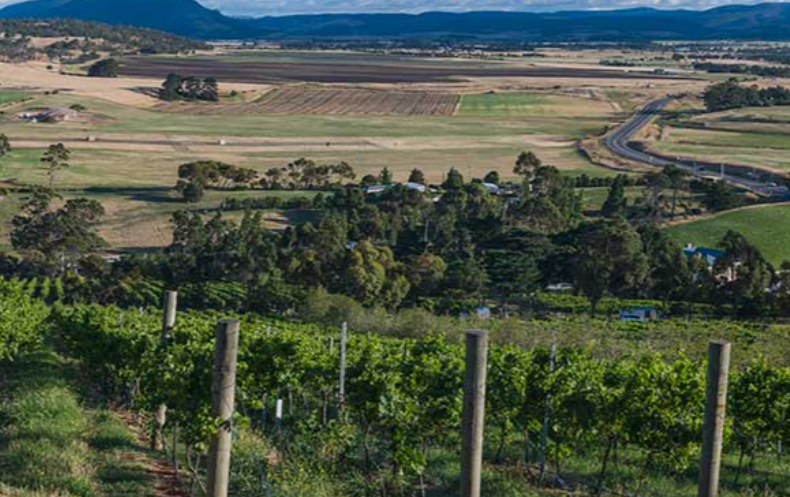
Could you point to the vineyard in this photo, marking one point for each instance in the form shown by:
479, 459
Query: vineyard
617, 425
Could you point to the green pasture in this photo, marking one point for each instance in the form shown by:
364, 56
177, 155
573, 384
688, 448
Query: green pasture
11, 96
766, 227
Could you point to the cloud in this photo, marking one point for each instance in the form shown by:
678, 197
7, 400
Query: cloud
285, 7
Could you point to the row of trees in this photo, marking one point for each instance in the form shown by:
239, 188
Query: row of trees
302, 174
189, 88
106, 68
732, 95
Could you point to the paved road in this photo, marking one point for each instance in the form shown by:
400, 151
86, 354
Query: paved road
762, 182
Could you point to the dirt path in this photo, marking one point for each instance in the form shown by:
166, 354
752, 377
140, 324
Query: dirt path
161, 472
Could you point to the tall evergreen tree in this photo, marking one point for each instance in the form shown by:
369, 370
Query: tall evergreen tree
616, 202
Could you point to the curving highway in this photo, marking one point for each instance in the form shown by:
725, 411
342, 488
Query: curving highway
762, 182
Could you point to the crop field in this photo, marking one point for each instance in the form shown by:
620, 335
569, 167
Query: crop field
357, 101
337, 101
765, 226
356, 69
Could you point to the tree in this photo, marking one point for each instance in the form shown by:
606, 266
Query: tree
385, 178
744, 275
177, 87
454, 181
56, 158
782, 294
678, 180
513, 263
526, 164
68, 232
466, 278
171, 88
107, 68
670, 276
5, 145
191, 191
369, 180
492, 177
417, 176
610, 258
615, 203
551, 204
719, 196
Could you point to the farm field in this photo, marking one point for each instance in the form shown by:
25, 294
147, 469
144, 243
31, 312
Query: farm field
529, 104
139, 218
753, 137
356, 101
11, 96
352, 68
124, 135
418, 113
765, 226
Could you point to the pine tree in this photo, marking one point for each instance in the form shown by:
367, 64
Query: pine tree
615, 202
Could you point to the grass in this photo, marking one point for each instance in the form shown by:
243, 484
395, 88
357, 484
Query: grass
764, 226
502, 104
431, 143
593, 198
752, 136
52, 444
12, 96
115, 118
528, 104
140, 218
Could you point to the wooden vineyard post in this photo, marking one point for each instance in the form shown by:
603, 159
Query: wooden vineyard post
715, 410
474, 412
544, 432
169, 306
223, 398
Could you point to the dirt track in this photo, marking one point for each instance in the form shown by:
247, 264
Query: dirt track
359, 72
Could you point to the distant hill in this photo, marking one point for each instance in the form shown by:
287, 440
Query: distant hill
187, 17
766, 21
87, 40
182, 17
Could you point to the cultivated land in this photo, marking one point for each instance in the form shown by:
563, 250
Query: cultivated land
370, 110
766, 226
259, 68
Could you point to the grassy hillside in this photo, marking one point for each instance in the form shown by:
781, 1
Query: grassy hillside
52, 444
765, 226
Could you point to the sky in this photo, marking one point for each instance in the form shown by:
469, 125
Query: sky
285, 7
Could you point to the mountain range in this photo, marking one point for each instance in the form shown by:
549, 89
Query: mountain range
769, 21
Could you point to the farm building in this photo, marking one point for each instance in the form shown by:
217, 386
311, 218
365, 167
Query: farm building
709, 255
55, 115
639, 314
374, 189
